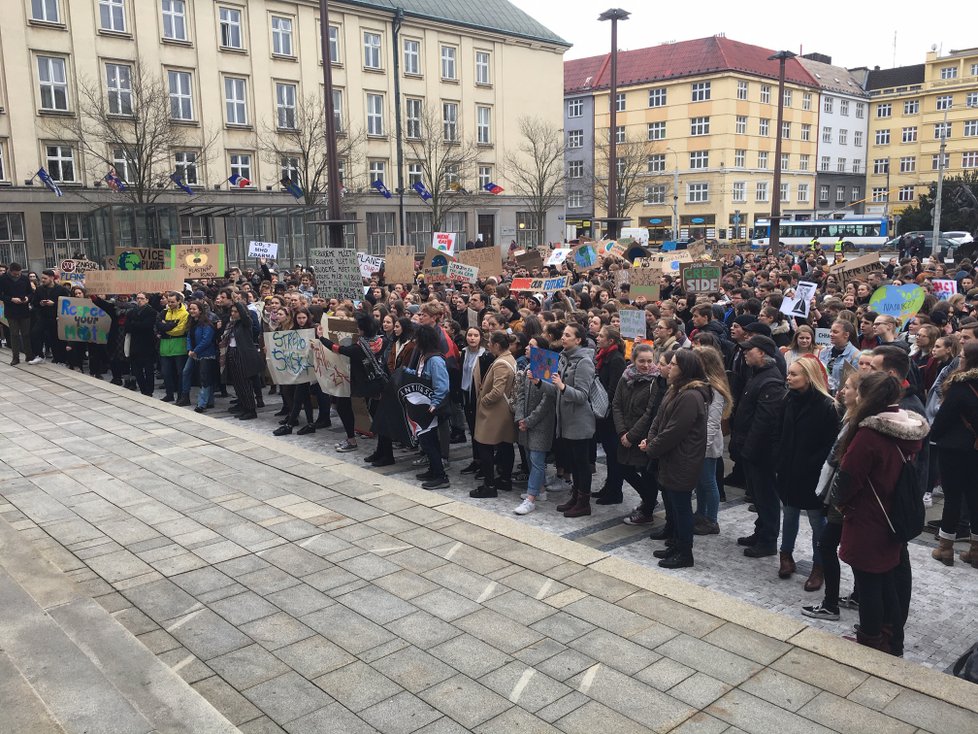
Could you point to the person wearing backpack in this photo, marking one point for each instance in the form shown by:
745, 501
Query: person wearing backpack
955, 433
575, 416
879, 439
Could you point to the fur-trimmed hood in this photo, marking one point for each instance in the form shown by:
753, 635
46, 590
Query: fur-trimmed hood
965, 376
899, 424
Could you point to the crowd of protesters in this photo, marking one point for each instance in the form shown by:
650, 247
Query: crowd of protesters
816, 416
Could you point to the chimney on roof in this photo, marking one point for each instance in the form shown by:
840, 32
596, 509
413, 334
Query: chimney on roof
818, 57
876, 68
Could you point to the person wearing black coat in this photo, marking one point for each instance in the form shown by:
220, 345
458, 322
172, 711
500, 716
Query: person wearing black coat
242, 361
141, 330
810, 427
45, 303
609, 364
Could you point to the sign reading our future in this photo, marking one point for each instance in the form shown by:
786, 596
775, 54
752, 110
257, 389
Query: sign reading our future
80, 320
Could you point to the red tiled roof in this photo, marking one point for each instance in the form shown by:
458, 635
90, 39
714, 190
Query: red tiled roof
676, 60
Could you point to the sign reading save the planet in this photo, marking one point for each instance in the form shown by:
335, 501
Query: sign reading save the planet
902, 302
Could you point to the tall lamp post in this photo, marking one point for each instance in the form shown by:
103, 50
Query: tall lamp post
675, 197
781, 57
614, 15
334, 223
935, 245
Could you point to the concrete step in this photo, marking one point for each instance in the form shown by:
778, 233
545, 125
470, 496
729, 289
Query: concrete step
76, 669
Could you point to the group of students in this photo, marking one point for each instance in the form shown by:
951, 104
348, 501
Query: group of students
819, 430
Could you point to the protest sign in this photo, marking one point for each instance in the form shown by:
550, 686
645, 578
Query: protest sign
80, 320
644, 282
289, 356
399, 264
543, 363
823, 337
444, 242
558, 256
856, 268
540, 285
337, 272
902, 302
697, 250
369, 264
530, 260
462, 273
944, 289
104, 282
799, 305
669, 262
268, 250
141, 258
73, 272
701, 278
585, 255
198, 261
437, 259
3, 315
487, 259
633, 325
332, 371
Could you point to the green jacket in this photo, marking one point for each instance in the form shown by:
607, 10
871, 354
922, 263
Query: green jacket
173, 343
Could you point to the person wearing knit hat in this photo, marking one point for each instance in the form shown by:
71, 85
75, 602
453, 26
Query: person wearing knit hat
510, 311
745, 320
758, 328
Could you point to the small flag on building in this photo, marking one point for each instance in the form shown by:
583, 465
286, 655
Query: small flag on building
422, 191
458, 188
178, 180
238, 181
49, 182
292, 187
115, 183
381, 189
493, 188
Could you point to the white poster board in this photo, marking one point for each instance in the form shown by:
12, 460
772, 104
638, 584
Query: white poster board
369, 264
558, 256
267, 250
444, 242
944, 288
462, 273
633, 324
289, 356
798, 306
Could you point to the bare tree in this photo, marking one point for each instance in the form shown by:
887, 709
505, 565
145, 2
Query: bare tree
447, 162
132, 131
633, 173
296, 140
536, 171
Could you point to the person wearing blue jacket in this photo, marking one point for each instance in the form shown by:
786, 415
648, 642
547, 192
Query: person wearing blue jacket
432, 366
201, 353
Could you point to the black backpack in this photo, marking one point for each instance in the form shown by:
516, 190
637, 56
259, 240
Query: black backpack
906, 515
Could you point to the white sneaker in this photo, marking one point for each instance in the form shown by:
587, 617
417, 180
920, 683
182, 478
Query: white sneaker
526, 507
542, 497
928, 499
37, 360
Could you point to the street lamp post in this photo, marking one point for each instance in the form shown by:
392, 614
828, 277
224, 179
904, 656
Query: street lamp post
614, 15
781, 57
675, 197
935, 245
335, 225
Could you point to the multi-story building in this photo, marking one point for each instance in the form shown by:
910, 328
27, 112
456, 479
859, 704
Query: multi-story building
234, 75
842, 124
579, 162
913, 109
703, 113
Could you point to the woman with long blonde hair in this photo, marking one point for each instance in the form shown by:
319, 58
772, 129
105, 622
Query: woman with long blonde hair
721, 404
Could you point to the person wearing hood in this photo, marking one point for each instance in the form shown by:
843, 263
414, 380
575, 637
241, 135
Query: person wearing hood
878, 439
241, 360
677, 441
839, 353
777, 323
141, 329
575, 419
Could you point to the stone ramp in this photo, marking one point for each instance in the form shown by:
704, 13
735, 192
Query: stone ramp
67, 666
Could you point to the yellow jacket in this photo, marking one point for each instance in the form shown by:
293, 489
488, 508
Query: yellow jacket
173, 343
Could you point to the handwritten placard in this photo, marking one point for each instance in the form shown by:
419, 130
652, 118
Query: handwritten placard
289, 356
945, 288
259, 249
487, 259
644, 282
337, 272
540, 285
104, 282
444, 242
462, 273
399, 264
80, 320
141, 258
198, 261
557, 256
633, 324
369, 264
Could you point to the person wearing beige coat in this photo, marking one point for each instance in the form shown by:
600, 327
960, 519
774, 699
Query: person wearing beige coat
495, 431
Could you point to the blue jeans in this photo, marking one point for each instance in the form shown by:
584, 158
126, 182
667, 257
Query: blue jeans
172, 368
538, 472
789, 530
679, 506
707, 491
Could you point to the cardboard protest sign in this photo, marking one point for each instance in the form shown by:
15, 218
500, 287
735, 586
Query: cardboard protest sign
856, 269
543, 363
633, 324
799, 305
369, 264
585, 255
332, 370
73, 272
461, 273
540, 285
902, 302
944, 289
337, 272
644, 282
80, 320
530, 260
444, 242
105, 282
670, 262
487, 259
823, 337
289, 356
141, 258
399, 264
697, 250
268, 250
558, 256
198, 261
3, 315
698, 278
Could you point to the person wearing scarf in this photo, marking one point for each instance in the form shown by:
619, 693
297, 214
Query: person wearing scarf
609, 363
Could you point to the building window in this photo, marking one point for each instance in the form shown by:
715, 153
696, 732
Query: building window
118, 83
334, 44
376, 170
911, 107
823, 194
942, 130
235, 100
970, 128
45, 11
700, 91
620, 134
840, 165
575, 169
575, 138
856, 193
802, 193
231, 28
785, 130
905, 193
908, 164
181, 95
452, 176
527, 229
971, 99
412, 57
764, 127
844, 107
910, 135
969, 159
575, 108
3, 169
657, 131
112, 15
289, 168
281, 36
787, 98
785, 191
740, 158
241, 165
620, 102
803, 161
575, 199
828, 105
762, 159
413, 109
449, 118
657, 97
338, 110
806, 131
937, 162
380, 231
656, 163
699, 159
371, 50
64, 234
857, 165
765, 94
884, 109
483, 125
882, 137
840, 194
175, 20
826, 134
879, 194
375, 114
13, 246
122, 163
825, 163
843, 136
739, 191
655, 195
857, 138
741, 90
806, 101
61, 163
185, 162
52, 74
974, 70
784, 161
697, 193
881, 166
860, 110
741, 125
285, 105
949, 72
699, 126
448, 70
482, 69
414, 173
760, 191
945, 101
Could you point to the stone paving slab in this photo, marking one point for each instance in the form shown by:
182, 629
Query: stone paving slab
397, 610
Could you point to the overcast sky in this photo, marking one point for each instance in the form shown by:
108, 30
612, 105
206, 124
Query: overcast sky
853, 34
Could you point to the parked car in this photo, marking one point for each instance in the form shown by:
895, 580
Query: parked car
951, 249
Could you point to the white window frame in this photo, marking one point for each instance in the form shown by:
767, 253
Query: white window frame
449, 62
231, 27
802, 193
806, 131
118, 85
240, 164
449, 121
700, 91
740, 125
884, 110
376, 170
970, 128
949, 72
844, 107
112, 15
375, 115
739, 190
483, 125
762, 159
944, 102
658, 97
908, 164
761, 192
575, 107
414, 173
656, 131
804, 160
373, 57
826, 134
483, 68
699, 126
765, 94
655, 195
942, 130
55, 158
235, 101
122, 163
174, 19
742, 90
881, 166
806, 101
180, 98
413, 111
764, 126
411, 52
883, 137
52, 74
699, 160
911, 107
785, 130
338, 110
186, 163
620, 102
654, 164
785, 192
860, 110
855, 193
740, 158
46, 11
289, 168
879, 194
969, 159
857, 138
286, 94
909, 134
575, 139
484, 176
840, 165
697, 192
282, 36
575, 199
334, 44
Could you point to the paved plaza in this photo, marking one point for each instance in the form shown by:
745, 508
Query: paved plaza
296, 591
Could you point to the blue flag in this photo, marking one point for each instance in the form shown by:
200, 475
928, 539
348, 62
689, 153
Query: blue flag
381, 189
115, 183
178, 180
293, 188
49, 182
422, 191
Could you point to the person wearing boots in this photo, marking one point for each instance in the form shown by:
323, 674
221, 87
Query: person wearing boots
575, 419
609, 363
494, 427
173, 343
15, 292
677, 439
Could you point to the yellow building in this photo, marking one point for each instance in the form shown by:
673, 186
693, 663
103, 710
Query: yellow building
704, 112
911, 109
236, 74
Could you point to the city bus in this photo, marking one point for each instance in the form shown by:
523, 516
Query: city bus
864, 233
